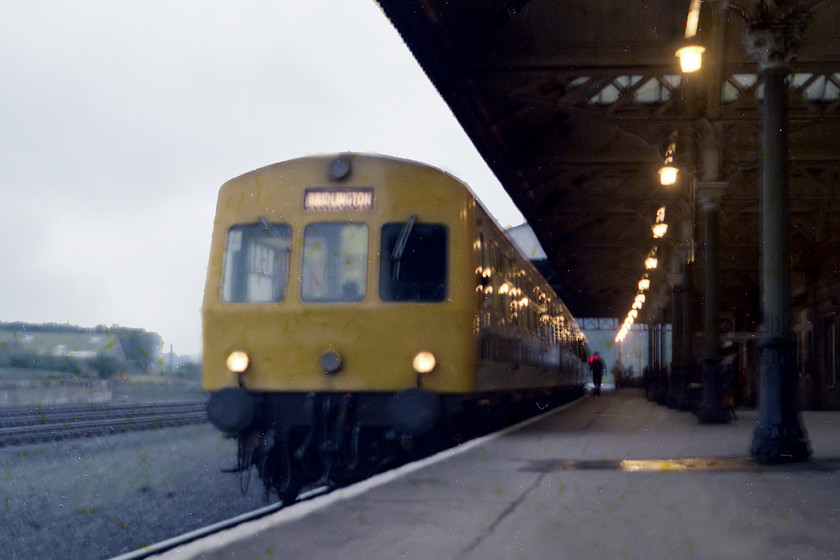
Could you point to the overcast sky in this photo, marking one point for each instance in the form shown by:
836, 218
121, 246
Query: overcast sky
119, 120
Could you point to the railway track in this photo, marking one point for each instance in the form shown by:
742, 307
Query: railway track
218, 527
29, 424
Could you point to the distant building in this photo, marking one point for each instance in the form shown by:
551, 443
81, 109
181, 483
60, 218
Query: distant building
80, 345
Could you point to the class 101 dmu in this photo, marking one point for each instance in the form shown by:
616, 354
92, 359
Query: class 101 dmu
354, 302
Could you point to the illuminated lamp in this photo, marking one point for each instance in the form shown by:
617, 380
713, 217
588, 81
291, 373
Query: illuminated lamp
668, 175
668, 172
691, 58
424, 362
659, 230
644, 284
237, 361
660, 215
650, 263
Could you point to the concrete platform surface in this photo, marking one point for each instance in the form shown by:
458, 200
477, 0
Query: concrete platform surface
606, 477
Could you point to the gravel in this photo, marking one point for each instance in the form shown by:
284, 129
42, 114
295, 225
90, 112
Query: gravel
101, 497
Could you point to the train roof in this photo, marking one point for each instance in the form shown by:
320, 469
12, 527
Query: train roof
352, 156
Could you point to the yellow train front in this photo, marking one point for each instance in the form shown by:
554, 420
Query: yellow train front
354, 301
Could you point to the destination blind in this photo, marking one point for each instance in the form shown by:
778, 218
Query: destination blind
336, 200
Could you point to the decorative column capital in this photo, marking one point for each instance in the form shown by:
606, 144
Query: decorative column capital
774, 32
710, 193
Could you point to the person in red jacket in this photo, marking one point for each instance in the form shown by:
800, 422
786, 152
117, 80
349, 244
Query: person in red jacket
596, 364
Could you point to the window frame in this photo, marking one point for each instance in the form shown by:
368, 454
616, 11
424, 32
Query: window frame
236, 277
331, 295
415, 294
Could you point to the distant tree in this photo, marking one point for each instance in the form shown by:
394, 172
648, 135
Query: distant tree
22, 327
33, 360
189, 370
141, 348
106, 366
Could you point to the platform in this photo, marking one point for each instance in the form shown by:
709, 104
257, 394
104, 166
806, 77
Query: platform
606, 477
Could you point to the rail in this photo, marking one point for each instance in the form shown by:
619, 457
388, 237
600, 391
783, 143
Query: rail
28, 424
218, 527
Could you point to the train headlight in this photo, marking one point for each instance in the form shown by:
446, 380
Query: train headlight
237, 361
424, 362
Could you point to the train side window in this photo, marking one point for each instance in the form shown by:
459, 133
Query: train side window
413, 262
256, 263
335, 257
499, 274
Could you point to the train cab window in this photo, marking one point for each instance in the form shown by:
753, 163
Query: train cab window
413, 262
256, 264
335, 257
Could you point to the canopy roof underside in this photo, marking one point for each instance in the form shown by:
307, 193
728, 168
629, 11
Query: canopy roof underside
574, 106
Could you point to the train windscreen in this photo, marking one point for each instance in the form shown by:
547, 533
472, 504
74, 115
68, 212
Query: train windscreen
256, 265
413, 264
335, 257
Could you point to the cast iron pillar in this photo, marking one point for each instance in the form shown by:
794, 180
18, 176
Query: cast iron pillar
663, 343
657, 350
662, 364
711, 409
772, 39
667, 390
651, 349
686, 399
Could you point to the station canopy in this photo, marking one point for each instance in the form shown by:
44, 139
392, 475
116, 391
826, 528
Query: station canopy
576, 105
